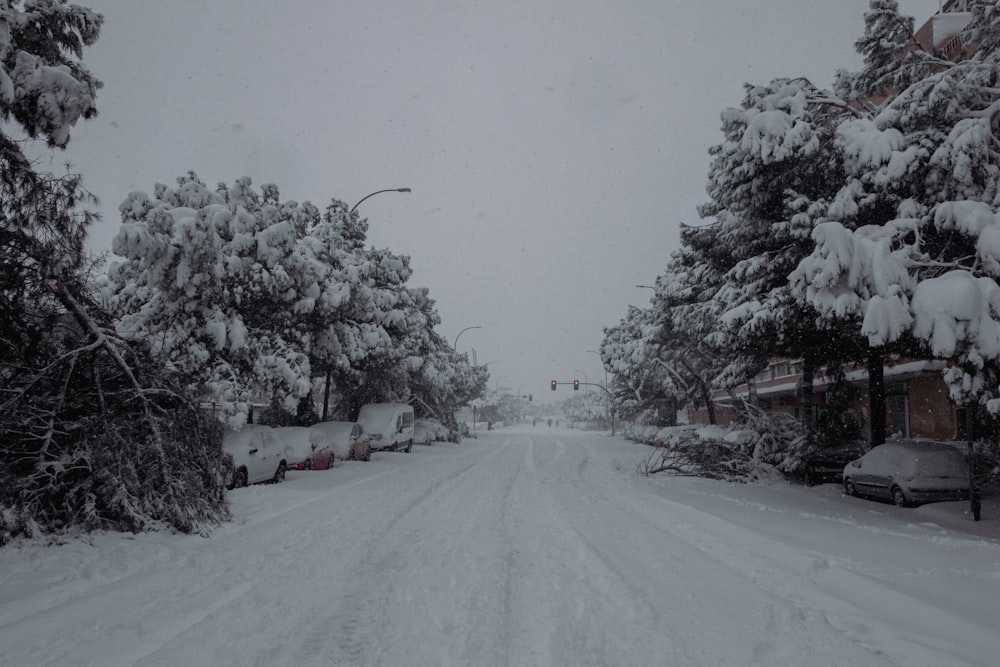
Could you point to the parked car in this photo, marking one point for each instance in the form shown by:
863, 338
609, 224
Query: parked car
389, 425
426, 431
256, 455
909, 472
826, 463
348, 440
306, 448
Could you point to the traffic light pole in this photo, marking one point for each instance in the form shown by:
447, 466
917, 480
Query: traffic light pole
577, 384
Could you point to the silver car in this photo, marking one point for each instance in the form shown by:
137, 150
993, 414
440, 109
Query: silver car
257, 455
909, 472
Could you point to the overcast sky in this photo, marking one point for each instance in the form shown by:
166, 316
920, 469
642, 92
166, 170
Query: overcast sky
553, 147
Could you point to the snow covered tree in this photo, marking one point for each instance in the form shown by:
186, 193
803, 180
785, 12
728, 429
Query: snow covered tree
768, 183
440, 380
644, 387
626, 355
586, 406
243, 293
216, 282
908, 252
43, 85
893, 58
686, 321
93, 434
45, 89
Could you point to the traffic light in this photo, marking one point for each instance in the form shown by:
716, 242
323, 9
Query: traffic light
576, 385
554, 383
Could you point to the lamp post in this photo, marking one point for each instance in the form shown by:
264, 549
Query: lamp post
376, 193
608, 391
455, 346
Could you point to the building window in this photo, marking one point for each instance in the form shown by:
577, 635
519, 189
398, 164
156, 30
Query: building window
899, 415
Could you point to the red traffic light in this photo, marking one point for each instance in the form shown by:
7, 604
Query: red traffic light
554, 383
576, 385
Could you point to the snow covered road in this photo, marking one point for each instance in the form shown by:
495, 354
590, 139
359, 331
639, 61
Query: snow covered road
526, 546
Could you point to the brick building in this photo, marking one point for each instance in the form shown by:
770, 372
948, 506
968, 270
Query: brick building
917, 403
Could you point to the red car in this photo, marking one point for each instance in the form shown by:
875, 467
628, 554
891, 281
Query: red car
347, 439
306, 447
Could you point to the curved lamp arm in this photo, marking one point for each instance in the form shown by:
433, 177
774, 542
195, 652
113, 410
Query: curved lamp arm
379, 192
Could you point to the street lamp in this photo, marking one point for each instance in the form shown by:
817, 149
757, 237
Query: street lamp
379, 192
455, 346
606, 390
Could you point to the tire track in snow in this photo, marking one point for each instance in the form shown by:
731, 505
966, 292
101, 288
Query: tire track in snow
386, 609
592, 608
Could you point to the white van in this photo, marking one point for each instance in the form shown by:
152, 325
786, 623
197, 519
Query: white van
390, 425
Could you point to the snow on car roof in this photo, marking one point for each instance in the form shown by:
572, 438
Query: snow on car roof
332, 428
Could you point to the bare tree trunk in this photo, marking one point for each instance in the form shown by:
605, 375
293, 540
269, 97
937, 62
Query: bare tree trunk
808, 378
706, 395
704, 390
876, 394
326, 392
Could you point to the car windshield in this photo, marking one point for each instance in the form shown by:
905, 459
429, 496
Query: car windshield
941, 464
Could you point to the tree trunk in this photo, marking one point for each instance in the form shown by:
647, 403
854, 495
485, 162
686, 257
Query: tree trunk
706, 395
876, 394
806, 394
752, 392
326, 392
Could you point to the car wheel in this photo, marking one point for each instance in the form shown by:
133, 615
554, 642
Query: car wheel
898, 499
809, 476
849, 488
279, 474
239, 479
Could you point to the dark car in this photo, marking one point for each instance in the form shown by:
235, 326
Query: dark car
909, 472
825, 463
